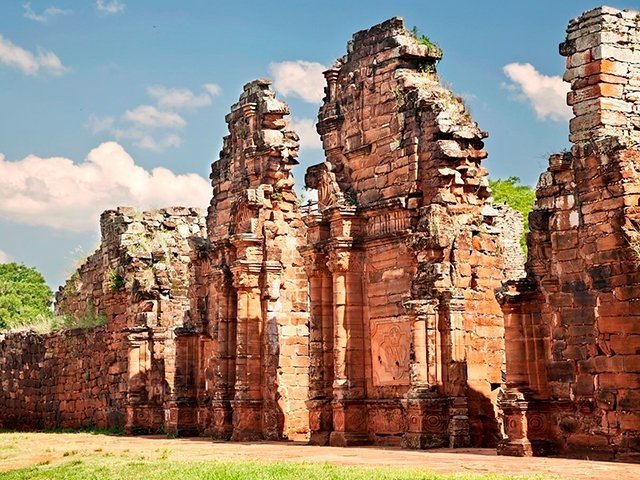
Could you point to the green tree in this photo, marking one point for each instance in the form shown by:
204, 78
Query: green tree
517, 196
24, 295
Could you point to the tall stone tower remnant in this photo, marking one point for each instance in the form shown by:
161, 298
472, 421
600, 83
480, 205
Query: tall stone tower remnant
573, 324
404, 253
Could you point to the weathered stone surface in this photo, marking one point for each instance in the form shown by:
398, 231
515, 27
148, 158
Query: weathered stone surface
253, 316
571, 329
403, 255
119, 375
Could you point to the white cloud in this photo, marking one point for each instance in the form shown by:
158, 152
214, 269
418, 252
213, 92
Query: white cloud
180, 97
4, 257
150, 116
47, 14
100, 124
28, 62
301, 78
111, 7
546, 94
59, 193
306, 130
213, 89
141, 124
148, 142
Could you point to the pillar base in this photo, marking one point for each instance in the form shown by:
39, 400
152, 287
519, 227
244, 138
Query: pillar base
434, 421
320, 421
222, 420
515, 448
144, 420
320, 438
247, 421
348, 439
421, 441
180, 421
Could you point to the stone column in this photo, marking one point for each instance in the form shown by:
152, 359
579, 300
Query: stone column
454, 360
180, 415
426, 407
247, 404
223, 298
349, 408
272, 414
525, 371
139, 356
320, 342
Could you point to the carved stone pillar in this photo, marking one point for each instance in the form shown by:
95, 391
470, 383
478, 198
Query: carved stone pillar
247, 404
273, 417
139, 419
320, 342
455, 362
524, 418
426, 408
349, 408
180, 411
224, 305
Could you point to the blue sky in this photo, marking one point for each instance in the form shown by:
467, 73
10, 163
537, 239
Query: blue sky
155, 78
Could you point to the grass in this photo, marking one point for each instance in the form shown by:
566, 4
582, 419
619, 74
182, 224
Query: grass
139, 468
82, 456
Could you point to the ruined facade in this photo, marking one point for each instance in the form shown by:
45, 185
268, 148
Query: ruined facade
371, 316
122, 374
404, 254
252, 323
572, 326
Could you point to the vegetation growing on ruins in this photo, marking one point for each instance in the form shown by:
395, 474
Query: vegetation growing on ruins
518, 196
24, 296
115, 280
423, 39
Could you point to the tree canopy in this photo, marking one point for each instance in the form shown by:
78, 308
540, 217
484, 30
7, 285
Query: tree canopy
24, 295
517, 196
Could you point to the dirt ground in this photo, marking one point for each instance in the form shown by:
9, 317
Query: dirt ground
25, 449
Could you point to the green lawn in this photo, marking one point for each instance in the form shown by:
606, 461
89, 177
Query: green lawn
113, 468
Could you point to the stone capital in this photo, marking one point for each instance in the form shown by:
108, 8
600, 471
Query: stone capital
340, 261
246, 275
314, 262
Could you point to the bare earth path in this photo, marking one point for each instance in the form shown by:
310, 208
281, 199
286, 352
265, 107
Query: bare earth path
25, 449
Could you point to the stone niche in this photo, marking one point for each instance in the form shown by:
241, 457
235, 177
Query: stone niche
404, 252
573, 324
251, 335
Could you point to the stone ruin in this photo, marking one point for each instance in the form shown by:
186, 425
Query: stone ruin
403, 256
389, 311
573, 324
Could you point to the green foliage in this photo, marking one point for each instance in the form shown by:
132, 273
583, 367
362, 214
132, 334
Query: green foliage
24, 295
517, 196
115, 281
423, 39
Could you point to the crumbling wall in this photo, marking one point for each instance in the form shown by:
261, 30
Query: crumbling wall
253, 334
127, 372
572, 328
73, 379
404, 253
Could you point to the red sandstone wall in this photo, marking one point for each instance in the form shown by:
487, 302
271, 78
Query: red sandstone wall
77, 378
137, 371
404, 254
573, 330
253, 311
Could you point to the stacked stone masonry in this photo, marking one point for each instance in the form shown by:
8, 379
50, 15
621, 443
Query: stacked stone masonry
404, 254
573, 324
371, 316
